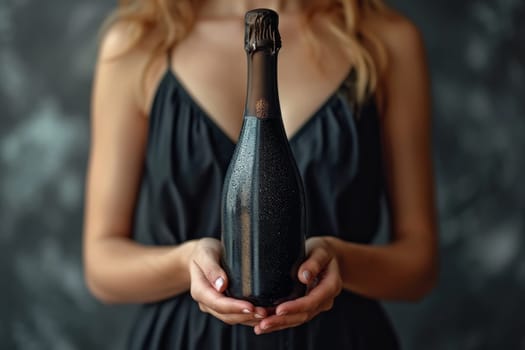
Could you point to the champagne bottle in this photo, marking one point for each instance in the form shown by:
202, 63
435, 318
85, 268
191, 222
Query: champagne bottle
263, 205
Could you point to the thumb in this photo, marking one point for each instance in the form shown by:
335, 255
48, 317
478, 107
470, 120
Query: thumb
211, 269
313, 265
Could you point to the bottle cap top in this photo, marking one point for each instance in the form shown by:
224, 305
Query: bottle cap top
261, 31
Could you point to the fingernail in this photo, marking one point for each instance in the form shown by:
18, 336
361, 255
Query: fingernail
258, 316
219, 282
246, 311
307, 275
281, 313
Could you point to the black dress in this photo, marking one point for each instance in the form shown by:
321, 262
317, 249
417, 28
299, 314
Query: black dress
339, 157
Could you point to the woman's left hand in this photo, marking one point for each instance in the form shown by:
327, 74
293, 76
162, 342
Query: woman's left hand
320, 272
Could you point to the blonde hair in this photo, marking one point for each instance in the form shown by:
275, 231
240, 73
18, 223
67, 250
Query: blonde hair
171, 20
365, 52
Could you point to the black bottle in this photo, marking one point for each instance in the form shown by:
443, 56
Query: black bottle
263, 205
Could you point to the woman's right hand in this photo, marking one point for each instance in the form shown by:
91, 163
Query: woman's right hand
209, 281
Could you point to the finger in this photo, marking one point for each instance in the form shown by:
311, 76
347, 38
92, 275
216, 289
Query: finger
280, 322
261, 312
276, 323
233, 319
314, 264
257, 329
207, 261
205, 294
327, 305
328, 288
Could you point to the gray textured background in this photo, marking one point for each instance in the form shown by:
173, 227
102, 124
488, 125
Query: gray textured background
476, 51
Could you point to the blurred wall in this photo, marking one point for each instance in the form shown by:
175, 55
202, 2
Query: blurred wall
477, 56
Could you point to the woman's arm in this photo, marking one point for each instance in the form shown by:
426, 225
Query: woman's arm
406, 268
116, 268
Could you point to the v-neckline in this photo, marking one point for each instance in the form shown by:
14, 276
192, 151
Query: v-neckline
291, 139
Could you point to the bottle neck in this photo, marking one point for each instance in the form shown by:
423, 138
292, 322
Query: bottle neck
262, 98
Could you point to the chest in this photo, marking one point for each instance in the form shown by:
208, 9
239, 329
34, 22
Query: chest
211, 64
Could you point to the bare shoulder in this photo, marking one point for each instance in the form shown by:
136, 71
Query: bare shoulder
401, 38
116, 46
126, 60
406, 76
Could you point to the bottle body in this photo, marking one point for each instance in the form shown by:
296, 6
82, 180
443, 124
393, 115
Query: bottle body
263, 216
263, 204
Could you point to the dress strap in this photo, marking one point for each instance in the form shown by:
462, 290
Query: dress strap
169, 55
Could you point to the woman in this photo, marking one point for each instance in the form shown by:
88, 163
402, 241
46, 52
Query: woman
167, 110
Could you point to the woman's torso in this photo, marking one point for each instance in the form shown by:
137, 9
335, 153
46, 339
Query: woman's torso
190, 141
